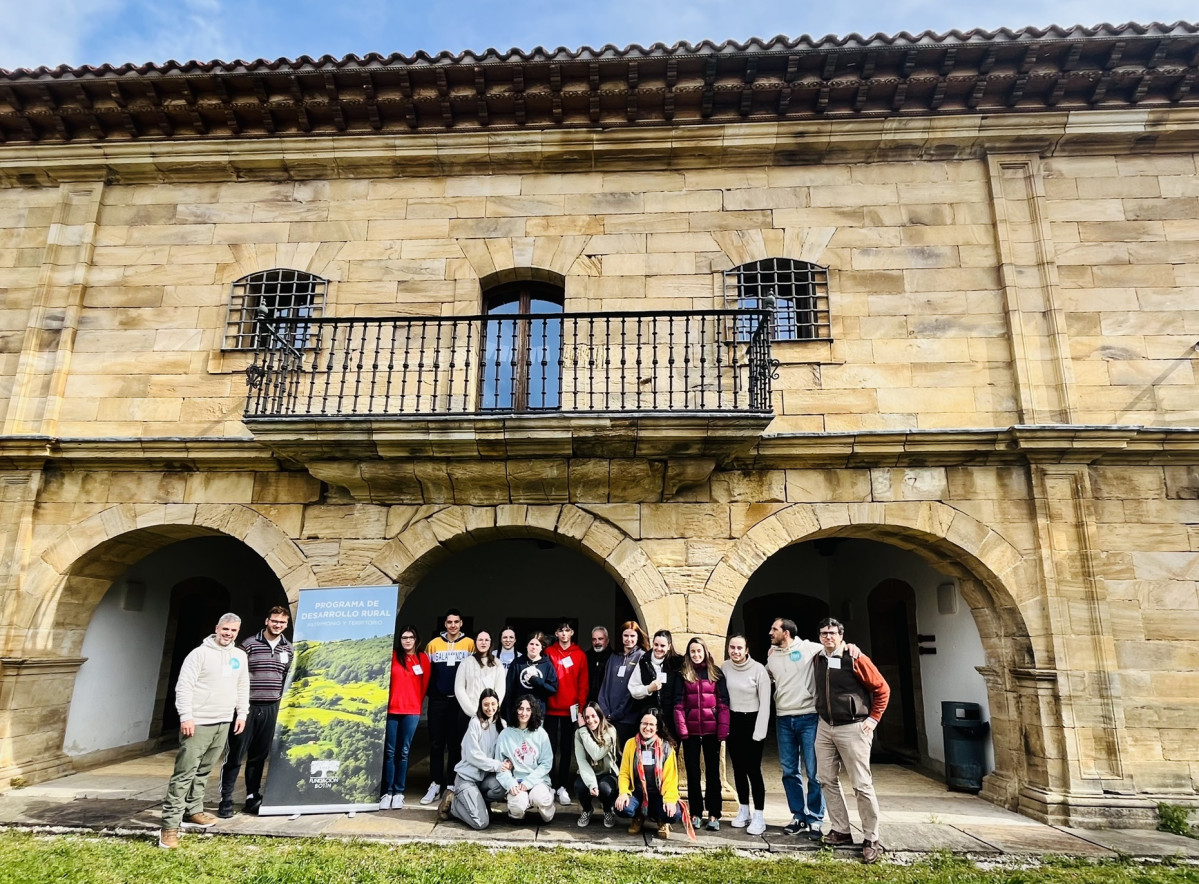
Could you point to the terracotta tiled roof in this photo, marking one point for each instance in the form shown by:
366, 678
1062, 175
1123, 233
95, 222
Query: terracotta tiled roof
958, 72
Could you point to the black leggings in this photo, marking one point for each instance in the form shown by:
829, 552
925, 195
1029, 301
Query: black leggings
608, 788
745, 753
710, 747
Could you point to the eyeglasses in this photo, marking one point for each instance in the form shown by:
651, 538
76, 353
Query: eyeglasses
829, 632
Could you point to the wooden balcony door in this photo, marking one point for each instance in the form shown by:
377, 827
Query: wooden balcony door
522, 356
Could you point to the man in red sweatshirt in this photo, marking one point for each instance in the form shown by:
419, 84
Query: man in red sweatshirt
564, 710
851, 696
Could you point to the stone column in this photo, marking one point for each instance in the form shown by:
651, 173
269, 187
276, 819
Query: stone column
35, 698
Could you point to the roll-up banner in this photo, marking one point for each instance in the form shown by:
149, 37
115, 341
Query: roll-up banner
327, 753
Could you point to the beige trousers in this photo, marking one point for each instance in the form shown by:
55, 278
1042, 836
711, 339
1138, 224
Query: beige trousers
539, 798
846, 747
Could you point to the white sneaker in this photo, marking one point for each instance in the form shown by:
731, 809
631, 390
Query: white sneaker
757, 825
563, 796
741, 820
432, 794
397, 802
385, 802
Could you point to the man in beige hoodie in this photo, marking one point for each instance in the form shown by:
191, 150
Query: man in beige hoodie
213, 689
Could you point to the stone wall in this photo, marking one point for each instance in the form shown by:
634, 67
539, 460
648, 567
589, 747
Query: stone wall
991, 307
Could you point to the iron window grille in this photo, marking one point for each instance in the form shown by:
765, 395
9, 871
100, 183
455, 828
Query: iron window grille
272, 295
796, 291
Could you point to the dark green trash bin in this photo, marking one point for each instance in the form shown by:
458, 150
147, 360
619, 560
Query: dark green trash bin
965, 745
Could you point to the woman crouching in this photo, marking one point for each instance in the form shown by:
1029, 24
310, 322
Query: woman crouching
475, 776
649, 777
596, 752
526, 749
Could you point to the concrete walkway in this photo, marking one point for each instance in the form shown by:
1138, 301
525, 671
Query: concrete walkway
918, 816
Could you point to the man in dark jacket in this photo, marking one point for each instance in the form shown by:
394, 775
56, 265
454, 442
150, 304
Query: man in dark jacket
851, 696
597, 661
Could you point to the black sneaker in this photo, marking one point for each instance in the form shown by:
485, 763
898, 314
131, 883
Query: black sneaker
795, 826
225, 810
253, 802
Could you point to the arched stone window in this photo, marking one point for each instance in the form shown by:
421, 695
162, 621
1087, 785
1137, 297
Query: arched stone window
272, 295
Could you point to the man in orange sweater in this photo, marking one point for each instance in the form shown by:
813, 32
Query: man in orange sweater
564, 709
851, 695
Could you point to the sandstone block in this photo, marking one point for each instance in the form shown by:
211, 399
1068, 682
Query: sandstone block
915, 483
345, 521
684, 520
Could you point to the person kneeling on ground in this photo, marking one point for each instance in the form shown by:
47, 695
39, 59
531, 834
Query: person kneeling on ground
596, 747
526, 748
649, 778
476, 782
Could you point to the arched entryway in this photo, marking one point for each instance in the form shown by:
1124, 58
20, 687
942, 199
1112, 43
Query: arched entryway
984, 640
887, 597
89, 575
527, 583
153, 614
428, 542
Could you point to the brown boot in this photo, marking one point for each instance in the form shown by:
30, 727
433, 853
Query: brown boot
201, 820
664, 831
871, 851
833, 838
636, 825
443, 809
168, 839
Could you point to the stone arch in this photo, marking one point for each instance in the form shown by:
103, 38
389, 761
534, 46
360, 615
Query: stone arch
986, 566
64, 583
429, 540
499, 257
802, 243
958, 544
522, 274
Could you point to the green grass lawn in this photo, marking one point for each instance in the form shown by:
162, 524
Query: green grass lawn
77, 859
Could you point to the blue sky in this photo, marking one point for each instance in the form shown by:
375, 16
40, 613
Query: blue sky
92, 32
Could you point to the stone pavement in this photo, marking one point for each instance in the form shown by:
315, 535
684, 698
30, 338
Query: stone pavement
918, 816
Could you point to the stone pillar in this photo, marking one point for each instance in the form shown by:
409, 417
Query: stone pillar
35, 698
49, 341
1079, 696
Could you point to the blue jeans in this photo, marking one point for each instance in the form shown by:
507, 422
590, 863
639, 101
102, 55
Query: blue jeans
656, 811
400, 730
797, 738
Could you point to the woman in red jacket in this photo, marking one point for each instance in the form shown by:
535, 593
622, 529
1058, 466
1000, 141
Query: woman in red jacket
701, 718
409, 682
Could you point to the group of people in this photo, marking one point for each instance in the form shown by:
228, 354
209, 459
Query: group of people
507, 724
513, 722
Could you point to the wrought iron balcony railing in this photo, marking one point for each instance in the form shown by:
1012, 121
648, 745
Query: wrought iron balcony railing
664, 362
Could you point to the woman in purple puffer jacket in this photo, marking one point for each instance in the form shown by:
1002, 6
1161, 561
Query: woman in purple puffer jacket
701, 719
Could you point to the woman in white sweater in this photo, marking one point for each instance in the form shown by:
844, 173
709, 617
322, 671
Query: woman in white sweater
479, 671
748, 684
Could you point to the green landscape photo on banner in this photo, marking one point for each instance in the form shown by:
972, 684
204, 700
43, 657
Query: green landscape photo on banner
327, 753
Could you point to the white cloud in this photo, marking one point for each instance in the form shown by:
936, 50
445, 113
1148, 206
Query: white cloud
49, 33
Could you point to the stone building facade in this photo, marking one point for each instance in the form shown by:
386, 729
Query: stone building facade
979, 252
